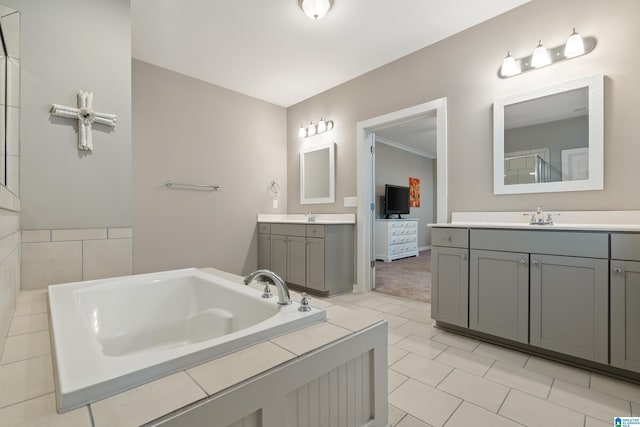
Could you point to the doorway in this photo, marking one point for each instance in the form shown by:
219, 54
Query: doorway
365, 137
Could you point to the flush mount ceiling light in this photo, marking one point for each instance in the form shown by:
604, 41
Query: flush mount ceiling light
315, 9
575, 46
313, 129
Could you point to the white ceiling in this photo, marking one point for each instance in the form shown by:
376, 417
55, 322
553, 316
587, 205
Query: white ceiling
270, 50
417, 136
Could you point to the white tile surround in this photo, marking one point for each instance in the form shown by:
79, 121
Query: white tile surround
436, 378
70, 255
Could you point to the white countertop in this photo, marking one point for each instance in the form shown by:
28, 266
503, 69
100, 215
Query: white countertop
302, 218
563, 220
525, 226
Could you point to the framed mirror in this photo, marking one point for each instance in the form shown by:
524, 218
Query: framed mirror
317, 174
550, 139
10, 98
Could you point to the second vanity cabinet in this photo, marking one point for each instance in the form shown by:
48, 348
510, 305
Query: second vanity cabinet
318, 258
542, 287
545, 288
625, 301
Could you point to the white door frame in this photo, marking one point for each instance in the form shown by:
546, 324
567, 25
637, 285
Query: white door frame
365, 215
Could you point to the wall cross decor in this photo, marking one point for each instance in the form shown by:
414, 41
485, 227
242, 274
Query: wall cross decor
86, 117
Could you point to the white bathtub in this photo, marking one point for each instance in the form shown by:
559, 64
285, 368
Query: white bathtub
114, 334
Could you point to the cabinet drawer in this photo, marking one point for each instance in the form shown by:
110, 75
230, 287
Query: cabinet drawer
397, 240
551, 242
315, 230
402, 231
264, 228
625, 246
289, 229
450, 237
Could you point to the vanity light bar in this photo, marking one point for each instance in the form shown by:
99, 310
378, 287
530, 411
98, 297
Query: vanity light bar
311, 130
541, 56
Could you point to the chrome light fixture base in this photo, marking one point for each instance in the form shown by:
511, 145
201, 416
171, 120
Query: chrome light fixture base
556, 54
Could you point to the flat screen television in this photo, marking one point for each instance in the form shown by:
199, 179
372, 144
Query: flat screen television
396, 200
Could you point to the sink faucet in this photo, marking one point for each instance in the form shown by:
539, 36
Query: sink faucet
538, 217
283, 290
311, 217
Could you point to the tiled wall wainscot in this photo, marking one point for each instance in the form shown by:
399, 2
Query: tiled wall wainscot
9, 275
61, 256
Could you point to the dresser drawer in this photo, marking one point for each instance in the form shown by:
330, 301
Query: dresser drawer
398, 240
625, 246
450, 237
264, 228
315, 230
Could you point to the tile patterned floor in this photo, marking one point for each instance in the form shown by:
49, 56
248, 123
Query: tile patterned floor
436, 378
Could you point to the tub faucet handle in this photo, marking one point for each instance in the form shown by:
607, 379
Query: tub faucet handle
266, 293
304, 303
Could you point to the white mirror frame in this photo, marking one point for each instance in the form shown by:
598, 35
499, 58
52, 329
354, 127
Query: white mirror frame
595, 85
332, 174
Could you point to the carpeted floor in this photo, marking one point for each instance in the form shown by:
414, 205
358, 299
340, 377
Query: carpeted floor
407, 277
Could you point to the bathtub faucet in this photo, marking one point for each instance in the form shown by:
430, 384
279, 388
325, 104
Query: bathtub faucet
283, 290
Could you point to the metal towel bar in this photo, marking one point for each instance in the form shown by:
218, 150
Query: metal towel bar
179, 185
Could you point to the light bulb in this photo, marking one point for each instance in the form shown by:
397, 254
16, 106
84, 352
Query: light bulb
574, 46
302, 132
540, 56
311, 129
322, 125
509, 67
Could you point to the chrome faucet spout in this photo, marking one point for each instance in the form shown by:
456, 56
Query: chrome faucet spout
283, 291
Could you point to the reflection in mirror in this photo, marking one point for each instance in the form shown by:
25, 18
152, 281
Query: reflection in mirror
9, 97
317, 174
550, 139
540, 132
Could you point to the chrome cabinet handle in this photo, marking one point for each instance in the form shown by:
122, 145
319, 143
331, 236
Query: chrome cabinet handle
463, 256
523, 261
535, 262
618, 270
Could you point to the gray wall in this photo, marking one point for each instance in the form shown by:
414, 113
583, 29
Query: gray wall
190, 131
70, 45
463, 68
395, 166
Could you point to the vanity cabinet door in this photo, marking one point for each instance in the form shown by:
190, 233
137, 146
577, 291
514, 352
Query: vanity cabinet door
288, 258
264, 251
279, 255
499, 294
315, 263
569, 305
296, 262
450, 285
625, 316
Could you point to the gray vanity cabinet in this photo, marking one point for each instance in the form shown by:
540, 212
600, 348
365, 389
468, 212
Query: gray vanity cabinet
450, 276
569, 305
625, 301
499, 294
318, 258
